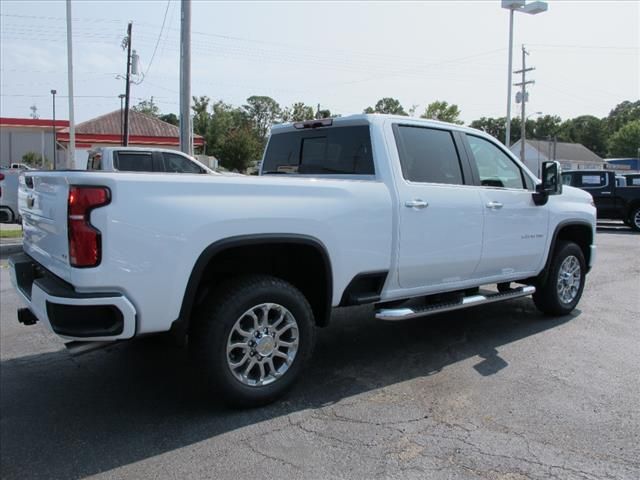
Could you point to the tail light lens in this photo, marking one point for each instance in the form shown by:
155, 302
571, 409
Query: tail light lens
85, 244
1, 176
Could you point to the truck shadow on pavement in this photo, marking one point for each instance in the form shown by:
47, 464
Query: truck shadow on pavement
65, 417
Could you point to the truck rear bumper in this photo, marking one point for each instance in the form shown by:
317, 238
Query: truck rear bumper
69, 314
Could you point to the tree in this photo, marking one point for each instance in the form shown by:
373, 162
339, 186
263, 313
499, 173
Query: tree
387, 105
326, 113
622, 114
147, 107
588, 130
171, 118
200, 109
33, 159
626, 141
262, 112
440, 110
547, 126
239, 149
495, 127
299, 112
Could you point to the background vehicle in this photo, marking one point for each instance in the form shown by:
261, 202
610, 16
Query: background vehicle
411, 215
133, 159
21, 166
612, 201
633, 179
9, 195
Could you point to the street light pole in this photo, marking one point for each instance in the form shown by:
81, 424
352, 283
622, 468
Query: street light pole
53, 94
513, 6
507, 136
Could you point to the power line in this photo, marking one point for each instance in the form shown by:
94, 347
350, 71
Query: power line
155, 49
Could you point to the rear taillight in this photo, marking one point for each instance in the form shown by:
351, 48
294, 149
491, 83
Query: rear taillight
85, 246
1, 176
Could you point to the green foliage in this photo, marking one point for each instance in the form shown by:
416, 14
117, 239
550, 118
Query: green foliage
238, 149
147, 107
326, 113
298, 112
34, 160
587, 130
440, 110
547, 126
171, 118
626, 141
622, 114
388, 105
262, 112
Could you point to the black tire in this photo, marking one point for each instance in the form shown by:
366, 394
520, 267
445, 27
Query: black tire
212, 329
634, 219
547, 297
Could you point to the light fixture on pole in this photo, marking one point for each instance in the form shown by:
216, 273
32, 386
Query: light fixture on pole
532, 8
53, 94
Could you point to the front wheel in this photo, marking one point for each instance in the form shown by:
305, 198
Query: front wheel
562, 291
252, 338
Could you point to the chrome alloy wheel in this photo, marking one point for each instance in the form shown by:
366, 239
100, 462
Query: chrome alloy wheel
262, 344
569, 279
636, 219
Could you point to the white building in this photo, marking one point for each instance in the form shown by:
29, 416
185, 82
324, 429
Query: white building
572, 156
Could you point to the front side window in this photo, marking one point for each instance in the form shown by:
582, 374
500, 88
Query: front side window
134, 162
334, 150
428, 155
174, 163
496, 168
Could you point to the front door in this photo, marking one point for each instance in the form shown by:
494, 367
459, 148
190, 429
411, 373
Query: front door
440, 217
515, 229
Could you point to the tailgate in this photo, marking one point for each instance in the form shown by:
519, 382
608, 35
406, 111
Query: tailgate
42, 199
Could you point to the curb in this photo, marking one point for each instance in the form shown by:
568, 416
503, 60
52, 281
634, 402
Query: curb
10, 248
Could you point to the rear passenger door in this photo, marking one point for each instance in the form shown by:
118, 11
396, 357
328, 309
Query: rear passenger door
441, 217
515, 229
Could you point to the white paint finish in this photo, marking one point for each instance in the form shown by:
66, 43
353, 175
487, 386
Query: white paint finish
157, 225
514, 235
441, 243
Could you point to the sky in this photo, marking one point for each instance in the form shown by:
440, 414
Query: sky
343, 55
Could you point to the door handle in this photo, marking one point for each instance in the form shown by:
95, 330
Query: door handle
494, 205
416, 203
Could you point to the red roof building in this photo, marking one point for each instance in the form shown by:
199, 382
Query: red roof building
20, 136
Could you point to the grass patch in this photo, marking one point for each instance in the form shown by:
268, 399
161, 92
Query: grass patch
11, 233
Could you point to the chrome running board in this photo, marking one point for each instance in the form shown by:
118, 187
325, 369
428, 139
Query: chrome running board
405, 313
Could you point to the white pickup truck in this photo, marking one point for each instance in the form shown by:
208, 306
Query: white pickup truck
416, 217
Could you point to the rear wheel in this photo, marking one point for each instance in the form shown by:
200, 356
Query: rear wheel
634, 219
252, 339
565, 283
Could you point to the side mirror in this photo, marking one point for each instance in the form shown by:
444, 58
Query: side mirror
551, 183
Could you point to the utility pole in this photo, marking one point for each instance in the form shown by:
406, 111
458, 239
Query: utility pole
55, 156
507, 139
121, 97
127, 40
71, 152
523, 99
185, 78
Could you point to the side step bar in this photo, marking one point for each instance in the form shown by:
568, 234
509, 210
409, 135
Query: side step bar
405, 313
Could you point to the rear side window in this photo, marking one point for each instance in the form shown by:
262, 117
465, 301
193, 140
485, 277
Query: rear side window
334, 150
428, 155
592, 180
133, 162
174, 163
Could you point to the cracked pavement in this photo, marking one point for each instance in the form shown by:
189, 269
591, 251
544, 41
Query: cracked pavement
495, 392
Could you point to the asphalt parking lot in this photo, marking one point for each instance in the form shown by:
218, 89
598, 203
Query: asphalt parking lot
495, 392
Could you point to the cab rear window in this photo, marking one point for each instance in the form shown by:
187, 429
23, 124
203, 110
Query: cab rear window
330, 151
